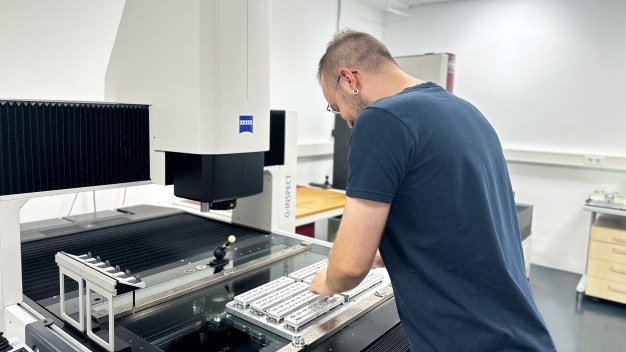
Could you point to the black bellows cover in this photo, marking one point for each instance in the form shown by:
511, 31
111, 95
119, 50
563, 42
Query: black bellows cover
394, 340
138, 246
46, 146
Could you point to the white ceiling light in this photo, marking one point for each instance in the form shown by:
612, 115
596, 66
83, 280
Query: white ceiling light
397, 7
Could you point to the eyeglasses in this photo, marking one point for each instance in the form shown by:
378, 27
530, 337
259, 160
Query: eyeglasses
329, 108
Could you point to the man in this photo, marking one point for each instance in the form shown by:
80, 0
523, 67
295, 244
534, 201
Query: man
428, 186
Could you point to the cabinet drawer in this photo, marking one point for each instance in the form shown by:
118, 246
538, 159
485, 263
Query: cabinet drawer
607, 270
606, 289
607, 252
609, 228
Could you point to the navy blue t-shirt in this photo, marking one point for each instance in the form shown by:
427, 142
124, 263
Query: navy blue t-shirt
451, 243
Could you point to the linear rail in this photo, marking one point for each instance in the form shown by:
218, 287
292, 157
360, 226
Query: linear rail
372, 279
305, 315
309, 270
243, 300
279, 312
259, 307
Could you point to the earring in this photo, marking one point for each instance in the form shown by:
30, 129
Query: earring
355, 92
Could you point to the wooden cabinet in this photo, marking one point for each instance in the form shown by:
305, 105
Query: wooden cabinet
606, 271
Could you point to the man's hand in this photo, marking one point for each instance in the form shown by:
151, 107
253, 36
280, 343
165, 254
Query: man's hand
318, 286
378, 261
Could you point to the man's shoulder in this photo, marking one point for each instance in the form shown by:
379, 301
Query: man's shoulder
375, 117
411, 100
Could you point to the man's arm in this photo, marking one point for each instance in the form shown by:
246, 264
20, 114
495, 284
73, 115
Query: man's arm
355, 247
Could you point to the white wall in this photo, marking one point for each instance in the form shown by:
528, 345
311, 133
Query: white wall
59, 50
362, 17
300, 32
56, 49
550, 76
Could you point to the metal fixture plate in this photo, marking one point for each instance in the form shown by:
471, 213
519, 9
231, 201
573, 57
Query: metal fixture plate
308, 271
305, 315
279, 328
335, 322
278, 313
273, 299
372, 279
244, 299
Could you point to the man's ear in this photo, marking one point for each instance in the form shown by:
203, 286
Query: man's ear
346, 74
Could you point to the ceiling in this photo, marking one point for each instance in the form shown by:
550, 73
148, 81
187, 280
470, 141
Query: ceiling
382, 4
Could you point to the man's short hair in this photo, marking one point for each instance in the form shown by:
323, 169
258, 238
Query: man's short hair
355, 50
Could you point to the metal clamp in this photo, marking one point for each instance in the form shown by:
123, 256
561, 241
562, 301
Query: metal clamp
298, 341
380, 293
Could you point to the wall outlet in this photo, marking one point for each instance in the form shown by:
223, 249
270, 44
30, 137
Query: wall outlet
594, 160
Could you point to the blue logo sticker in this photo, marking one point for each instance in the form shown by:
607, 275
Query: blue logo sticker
245, 124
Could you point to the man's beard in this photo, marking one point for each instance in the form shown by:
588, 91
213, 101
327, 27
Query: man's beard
355, 103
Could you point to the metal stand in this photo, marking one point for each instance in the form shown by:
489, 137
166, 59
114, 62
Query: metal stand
582, 284
101, 278
109, 295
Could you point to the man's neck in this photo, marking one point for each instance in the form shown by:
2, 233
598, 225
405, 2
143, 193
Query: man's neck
394, 83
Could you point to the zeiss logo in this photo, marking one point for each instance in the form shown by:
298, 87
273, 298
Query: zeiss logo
245, 124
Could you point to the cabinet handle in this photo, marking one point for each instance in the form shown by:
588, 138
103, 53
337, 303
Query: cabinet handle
619, 271
611, 288
619, 240
615, 250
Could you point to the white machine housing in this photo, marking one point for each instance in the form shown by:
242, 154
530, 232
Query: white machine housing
201, 64
275, 208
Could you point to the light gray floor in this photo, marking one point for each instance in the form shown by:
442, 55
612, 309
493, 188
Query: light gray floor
587, 327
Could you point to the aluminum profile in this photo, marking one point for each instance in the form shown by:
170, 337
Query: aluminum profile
305, 272
372, 279
243, 300
279, 312
307, 314
308, 280
260, 306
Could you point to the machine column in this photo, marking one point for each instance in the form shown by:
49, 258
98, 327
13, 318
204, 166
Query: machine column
10, 255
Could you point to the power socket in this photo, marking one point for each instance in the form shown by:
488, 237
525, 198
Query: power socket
594, 160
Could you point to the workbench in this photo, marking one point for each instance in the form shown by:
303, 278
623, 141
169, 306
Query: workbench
313, 204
